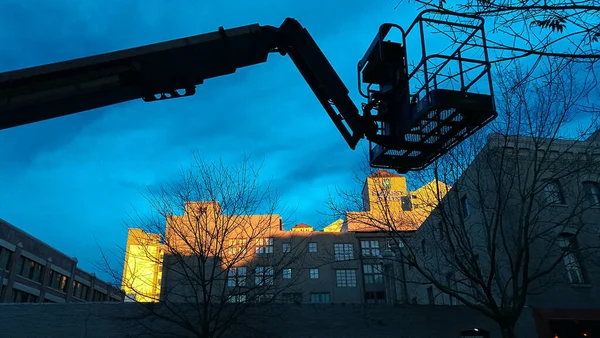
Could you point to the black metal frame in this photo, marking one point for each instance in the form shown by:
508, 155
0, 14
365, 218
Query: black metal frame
434, 120
456, 55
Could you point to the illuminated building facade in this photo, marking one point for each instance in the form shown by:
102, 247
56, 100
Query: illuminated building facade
142, 272
32, 271
340, 264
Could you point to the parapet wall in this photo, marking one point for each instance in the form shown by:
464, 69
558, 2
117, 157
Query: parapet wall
92, 320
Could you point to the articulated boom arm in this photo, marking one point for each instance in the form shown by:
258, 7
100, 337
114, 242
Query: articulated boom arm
412, 117
170, 70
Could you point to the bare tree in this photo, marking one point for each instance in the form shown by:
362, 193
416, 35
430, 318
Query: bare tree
516, 224
569, 30
210, 253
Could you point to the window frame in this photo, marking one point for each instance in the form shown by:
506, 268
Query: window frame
346, 278
264, 246
265, 276
371, 273
558, 191
30, 269
313, 273
464, 206
430, 295
592, 192
386, 183
238, 277
312, 245
62, 281
237, 299
287, 273
571, 259
375, 299
321, 297
291, 297
343, 251
237, 246
369, 249
8, 255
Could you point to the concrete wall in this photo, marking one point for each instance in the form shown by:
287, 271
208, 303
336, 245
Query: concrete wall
328, 321
477, 183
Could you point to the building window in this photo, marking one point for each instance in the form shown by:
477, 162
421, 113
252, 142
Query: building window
264, 298
291, 297
29, 269
553, 193
237, 276
23, 297
411, 202
451, 283
237, 299
343, 252
236, 246
464, 205
76, 288
568, 244
286, 247
264, 275
312, 247
98, 296
592, 192
373, 273
369, 248
85, 291
375, 297
80, 290
58, 281
5, 256
264, 245
430, 295
319, 297
287, 273
314, 273
387, 183
345, 278
395, 243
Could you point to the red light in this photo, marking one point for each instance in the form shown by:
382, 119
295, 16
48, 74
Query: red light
555, 336
585, 334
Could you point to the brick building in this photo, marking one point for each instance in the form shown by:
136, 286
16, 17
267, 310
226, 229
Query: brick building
341, 264
32, 271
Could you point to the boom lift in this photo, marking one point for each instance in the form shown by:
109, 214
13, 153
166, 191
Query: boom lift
406, 132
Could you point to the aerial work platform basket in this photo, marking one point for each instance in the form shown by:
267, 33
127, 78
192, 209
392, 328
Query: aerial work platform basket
425, 102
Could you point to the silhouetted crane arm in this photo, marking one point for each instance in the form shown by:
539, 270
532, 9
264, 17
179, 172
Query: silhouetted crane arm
171, 69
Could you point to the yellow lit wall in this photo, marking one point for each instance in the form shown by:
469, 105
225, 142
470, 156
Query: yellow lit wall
335, 226
142, 272
302, 228
388, 203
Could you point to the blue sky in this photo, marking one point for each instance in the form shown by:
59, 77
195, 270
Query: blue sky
70, 181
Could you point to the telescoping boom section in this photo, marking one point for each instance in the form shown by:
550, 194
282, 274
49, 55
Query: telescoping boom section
170, 70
